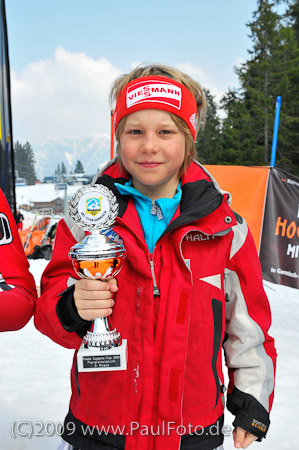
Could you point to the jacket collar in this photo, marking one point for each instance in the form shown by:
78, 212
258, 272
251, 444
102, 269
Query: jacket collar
202, 199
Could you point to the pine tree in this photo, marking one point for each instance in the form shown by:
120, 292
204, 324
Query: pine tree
25, 162
288, 138
272, 70
237, 148
63, 169
208, 143
287, 88
293, 15
79, 167
258, 76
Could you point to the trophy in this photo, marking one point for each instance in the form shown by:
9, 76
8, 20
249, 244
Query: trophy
94, 209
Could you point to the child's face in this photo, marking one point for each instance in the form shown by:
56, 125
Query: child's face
152, 151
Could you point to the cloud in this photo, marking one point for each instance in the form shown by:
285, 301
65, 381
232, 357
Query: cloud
65, 97
206, 81
239, 62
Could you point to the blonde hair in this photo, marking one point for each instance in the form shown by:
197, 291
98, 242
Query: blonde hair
169, 72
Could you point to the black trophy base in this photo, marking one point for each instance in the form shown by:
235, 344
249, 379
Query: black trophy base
93, 359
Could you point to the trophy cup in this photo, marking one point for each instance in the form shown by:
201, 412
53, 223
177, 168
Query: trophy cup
94, 209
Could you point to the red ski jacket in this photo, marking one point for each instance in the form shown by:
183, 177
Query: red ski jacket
211, 297
17, 287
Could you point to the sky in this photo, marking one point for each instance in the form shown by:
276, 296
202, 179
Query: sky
65, 54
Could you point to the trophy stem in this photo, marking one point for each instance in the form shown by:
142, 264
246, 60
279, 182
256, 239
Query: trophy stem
102, 335
102, 325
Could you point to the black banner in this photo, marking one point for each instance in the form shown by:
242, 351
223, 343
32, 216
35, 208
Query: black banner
279, 253
7, 178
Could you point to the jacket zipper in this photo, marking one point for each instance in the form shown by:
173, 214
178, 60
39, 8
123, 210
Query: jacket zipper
217, 309
77, 378
152, 267
150, 259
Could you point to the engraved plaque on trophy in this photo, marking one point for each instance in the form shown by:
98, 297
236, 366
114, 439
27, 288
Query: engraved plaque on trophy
94, 209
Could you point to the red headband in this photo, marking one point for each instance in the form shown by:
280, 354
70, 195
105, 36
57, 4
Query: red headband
155, 92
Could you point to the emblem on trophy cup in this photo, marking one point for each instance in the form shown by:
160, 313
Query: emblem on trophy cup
94, 209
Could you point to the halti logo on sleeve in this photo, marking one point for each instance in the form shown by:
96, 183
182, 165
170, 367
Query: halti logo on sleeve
154, 91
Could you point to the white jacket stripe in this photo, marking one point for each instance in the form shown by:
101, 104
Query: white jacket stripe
254, 372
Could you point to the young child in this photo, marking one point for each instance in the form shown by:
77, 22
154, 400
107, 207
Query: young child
17, 287
190, 284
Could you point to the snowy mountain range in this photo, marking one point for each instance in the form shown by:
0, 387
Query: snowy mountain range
92, 151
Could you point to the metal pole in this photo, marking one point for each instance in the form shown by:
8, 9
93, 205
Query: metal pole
275, 132
65, 204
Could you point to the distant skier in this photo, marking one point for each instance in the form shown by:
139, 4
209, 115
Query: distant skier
17, 287
19, 220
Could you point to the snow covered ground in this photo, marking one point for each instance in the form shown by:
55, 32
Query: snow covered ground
35, 386
44, 192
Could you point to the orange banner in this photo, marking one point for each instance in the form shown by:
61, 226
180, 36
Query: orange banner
247, 185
